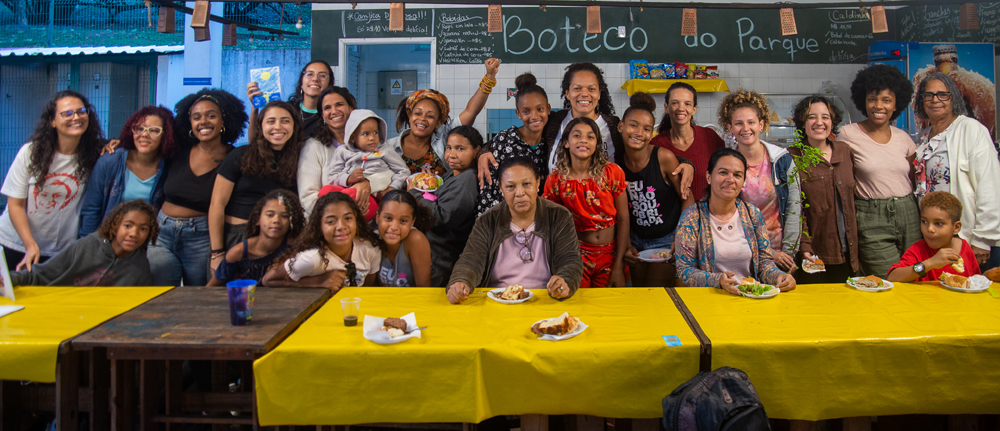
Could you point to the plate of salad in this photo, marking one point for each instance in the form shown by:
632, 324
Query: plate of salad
750, 288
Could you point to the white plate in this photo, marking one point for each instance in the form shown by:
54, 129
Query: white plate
886, 285
766, 295
549, 337
812, 271
373, 332
495, 295
413, 176
647, 255
977, 283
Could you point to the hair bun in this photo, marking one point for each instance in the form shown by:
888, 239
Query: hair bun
642, 101
525, 80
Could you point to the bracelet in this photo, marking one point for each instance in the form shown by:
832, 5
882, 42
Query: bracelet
218, 250
487, 84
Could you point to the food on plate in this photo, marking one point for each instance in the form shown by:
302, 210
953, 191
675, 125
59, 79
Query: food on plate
814, 266
561, 325
395, 326
513, 293
662, 254
425, 181
871, 282
956, 281
751, 286
959, 266
993, 274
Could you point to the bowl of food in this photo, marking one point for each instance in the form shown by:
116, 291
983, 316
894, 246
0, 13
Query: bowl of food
514, 294
750, 288
425, 182
870, 283
558, 328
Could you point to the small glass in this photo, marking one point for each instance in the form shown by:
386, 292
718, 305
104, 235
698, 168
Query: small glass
241, 293
352, 308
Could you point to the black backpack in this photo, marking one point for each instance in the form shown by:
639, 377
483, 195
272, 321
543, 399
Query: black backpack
720, 400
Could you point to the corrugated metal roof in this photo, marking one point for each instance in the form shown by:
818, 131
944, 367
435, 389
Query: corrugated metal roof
91, 50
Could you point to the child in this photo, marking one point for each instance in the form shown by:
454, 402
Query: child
941, 250
274, 219
407, 258
335, 249
593, 189
366, 157
454, 203
115, 255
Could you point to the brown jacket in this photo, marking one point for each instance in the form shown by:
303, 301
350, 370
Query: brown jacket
553, 224
820, 207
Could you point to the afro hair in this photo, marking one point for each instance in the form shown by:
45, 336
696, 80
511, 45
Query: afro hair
234, 115
878, 77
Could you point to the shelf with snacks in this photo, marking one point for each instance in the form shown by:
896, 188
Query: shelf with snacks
652, 86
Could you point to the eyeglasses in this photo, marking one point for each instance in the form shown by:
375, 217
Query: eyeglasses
69, 114
153, 131
943, 96
522, 237
352, 275
311, 75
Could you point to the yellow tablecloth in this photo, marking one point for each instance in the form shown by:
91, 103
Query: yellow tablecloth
830, 351
478, 360
30, 338
655, 86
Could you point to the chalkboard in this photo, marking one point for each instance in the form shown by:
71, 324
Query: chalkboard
558, 35
939, 23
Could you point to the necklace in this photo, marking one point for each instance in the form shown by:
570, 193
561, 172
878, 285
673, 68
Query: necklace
199, 148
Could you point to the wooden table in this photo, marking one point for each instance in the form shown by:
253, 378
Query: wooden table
190, 324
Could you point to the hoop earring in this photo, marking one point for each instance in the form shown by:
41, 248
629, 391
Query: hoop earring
191, 134
223, 129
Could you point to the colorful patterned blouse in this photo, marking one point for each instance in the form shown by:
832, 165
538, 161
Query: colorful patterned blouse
591, 200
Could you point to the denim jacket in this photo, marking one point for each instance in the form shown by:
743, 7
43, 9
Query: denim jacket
105, 187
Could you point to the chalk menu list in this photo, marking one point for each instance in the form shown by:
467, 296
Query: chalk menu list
939, 23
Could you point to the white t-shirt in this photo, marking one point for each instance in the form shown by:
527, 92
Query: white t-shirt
609, 146
366, 258
53, 209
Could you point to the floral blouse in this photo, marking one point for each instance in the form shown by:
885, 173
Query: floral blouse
591, 200
428, 161
932, 164
506, 145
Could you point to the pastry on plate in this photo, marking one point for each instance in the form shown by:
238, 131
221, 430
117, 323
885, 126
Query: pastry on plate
814, 266
956, 281
513, 293
561, 325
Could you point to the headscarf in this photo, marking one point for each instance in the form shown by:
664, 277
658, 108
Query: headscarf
439, 98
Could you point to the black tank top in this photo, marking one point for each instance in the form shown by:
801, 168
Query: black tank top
654, 204
183, 188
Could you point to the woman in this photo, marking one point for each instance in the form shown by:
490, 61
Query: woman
585, 94
315, 160
425, 115
829, 226
524, 240
248, 173
956, 155
888, 217
771, 181
207, 123
722, 239
654, 204
137, 172
678, 133
47, 179
315, 77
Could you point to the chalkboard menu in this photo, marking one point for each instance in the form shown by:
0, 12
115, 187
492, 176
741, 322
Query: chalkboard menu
939, 23
558, 35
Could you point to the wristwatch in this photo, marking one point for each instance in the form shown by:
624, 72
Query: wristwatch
920, 269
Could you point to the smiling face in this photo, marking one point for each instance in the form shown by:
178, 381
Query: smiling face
746, 126
395, 219
819, 123
339, 227
75, 125
726, 180
275, 220
424, 118
520, 189
879, 106
459, 153
583, 93
277, 125
335, 111
936, 108
145, 142
581, 142
937, 227
315, 78
206, 121
637, 129
533, 110
132, 233
680, 107
366, 137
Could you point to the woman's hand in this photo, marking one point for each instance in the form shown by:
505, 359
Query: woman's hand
617, 278
31, 256
786, 282
631, 257
492, 67
109, 148
981, 255
486, 160
216, 259
364, 190
458, 293
784, 261
337, 279
729, 283
809, 256
558, 288
686, 173
253, 90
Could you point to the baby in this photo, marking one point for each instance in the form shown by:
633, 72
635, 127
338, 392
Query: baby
367, 157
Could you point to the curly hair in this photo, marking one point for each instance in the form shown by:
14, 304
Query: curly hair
744, 99
323, 133
423, 220
312, 234
943, 201
641, 102
800, 113
167, 146
665, 121
109, 227
259, 161
957, 101
45, 141
403, 114
234, 116
598, 160
298, 95
292, 205
604, 106
878, 77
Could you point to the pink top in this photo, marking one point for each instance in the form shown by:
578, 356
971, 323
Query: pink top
882, 170
759, 190
510, 269
732, 251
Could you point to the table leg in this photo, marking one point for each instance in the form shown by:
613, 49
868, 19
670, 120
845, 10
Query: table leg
585, 423
798, 425
100, 384
150, 387
534, 423
68, 391
638, 424
963, 423
174, 391
220, 384
123, 395
860, 423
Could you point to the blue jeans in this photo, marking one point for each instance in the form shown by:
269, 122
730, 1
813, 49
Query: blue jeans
641, 244
181, 252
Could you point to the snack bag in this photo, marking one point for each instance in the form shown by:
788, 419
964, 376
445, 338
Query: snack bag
680, 71
712, 72
269, 82
699, 72
657, 71
668, 69
639, 69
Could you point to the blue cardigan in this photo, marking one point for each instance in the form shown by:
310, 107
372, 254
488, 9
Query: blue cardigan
105, 188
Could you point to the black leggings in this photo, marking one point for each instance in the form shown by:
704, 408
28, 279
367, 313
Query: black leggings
14, 257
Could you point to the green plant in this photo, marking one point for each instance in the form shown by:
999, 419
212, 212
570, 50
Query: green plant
809, 157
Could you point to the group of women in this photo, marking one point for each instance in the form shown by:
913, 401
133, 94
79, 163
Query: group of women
570, 198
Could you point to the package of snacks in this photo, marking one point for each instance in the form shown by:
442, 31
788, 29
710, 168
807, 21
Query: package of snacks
657, 71
699, 72
668, 70
639, 69
713, 72
680, 71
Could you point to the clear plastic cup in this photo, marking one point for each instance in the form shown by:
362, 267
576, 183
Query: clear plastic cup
352, 308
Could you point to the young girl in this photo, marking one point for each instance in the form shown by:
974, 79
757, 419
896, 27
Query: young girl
336, 248
276, 218
115, 255
454, 203
593, 189
407, 258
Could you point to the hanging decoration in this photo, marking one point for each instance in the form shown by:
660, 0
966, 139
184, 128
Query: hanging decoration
689, 23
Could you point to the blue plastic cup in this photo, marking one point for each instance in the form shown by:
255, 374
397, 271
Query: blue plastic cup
241, 293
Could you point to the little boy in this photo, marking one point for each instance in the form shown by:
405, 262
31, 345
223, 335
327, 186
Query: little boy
367, 157
941, 250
